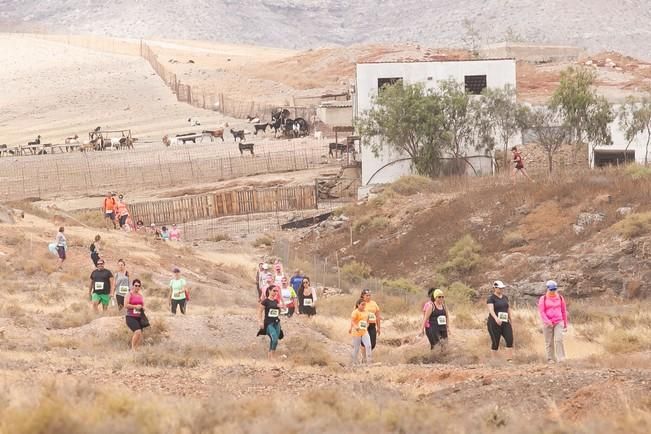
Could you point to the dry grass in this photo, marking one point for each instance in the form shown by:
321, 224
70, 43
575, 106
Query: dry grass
410, 185
634, 225
355, 272
75, 315
304, 350
92, 218
514, 239
263, 241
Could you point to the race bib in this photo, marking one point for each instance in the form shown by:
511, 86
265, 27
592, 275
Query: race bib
178, 294
371, 317
441, 320
123, 290
273, 313
363, 325
308, 302
284, 311
99, 286
136, 311
503, 316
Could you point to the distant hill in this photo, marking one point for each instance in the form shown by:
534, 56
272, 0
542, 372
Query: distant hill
624, 25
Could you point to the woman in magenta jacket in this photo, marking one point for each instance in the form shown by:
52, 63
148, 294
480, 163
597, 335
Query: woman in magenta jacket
553, 313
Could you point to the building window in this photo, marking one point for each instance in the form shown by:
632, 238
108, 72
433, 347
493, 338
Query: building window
475, 84
381, 82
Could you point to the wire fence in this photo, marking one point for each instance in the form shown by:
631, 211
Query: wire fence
91, 173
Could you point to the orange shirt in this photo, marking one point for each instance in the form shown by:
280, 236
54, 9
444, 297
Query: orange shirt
109, 204
360, 323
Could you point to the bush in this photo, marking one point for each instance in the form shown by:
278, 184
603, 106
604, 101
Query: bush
637, 171
375, 223
459, 294
634, 225
93, 218
620, 340
463, 257
410, 185
402, 285
355, 272
262, 241
220, 237
514, 239
306, 351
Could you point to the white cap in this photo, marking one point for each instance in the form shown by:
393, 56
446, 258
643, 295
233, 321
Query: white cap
551, 284
499, 284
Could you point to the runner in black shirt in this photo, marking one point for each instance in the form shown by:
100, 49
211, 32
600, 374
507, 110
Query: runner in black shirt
499, 319
101, 286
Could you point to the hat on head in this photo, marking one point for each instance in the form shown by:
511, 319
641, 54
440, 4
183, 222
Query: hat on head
265, 266
551, 285
366, 291
438, 293
499, 284
176, 270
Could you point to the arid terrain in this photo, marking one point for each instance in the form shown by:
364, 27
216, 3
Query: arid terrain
66, 369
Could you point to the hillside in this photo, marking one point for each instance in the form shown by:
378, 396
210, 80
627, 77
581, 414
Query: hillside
594, 24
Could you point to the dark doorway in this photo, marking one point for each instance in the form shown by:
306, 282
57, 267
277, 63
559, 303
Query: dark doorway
475, 84
612, 157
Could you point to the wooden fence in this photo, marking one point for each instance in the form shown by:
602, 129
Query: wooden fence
228, 203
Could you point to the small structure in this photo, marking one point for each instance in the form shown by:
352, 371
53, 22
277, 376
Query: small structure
621, 151
336, 113
533, 53
475, 74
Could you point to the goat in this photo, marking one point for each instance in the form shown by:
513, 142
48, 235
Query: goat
194, 122
219, 132
300, 127
72, 140
246, 147
253, 119
237, 134
288, 127
276, 125
337, 147
35, 142
261, 127
167, 141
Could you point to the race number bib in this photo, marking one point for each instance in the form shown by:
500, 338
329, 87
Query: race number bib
136, 311
441, 320
371, 317
273, 313
308, 302
123, 290
178, 294
503, 316
99, 286
363, 325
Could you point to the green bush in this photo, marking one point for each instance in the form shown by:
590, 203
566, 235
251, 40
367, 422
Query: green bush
463, 257
402, 285
376, 223
634, 225
459, 294
637, 171
514, 239
355, 272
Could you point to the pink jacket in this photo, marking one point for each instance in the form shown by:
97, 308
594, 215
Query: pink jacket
552, 310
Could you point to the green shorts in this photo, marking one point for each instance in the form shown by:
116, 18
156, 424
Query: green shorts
102, 298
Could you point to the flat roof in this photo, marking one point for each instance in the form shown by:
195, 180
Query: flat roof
492, 59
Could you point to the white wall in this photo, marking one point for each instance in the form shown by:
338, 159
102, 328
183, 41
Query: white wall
498, 74
620, 142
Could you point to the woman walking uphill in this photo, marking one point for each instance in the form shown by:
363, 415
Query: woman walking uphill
435, 318
306, 298
269, 318
553, 313
359, 331
62, 246
499, 319
136, 319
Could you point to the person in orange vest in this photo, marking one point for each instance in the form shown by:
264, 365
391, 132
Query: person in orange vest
109, 208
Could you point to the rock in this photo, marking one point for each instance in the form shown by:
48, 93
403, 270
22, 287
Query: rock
476, 220
7, 215
524, 210
587, 219
624, 211
578, 229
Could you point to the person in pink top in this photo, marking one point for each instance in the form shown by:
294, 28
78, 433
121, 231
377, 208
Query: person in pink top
175, 233
553, 313
134, 302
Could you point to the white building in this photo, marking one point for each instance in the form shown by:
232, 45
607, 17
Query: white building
475, 74
620, 151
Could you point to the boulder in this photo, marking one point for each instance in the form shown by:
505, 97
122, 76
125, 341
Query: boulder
624, 211
7, 215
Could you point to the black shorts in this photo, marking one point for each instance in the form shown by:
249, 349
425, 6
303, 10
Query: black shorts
133, 323
120, 299
123, 220
61, 251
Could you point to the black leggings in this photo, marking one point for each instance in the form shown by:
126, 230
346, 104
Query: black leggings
435, 334
497, 331
179, 303
372, 333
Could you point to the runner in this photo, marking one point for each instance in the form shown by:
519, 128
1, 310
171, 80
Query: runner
359, 331
269, 319
374, 317
296, 280
94, 250
101, 286
259, 282
164, 234
519, 164
436, 321
180, 292
499, 319
288, 297
278, 273
136, 319
175, 233
307, 298
553, 313
267, 283
109, 208
121, 212
121, 283
62, 246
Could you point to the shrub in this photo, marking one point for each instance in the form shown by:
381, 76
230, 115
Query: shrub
410, 185
263, 241
93, 218
355, 271
637, 171
514, 239
464, 317
634, 225
402, 285
621, 340
306, 351
220, 237
459, 294
463, 257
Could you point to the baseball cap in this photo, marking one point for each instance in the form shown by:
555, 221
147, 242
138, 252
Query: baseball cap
551, 285
175, 270
438, 293
499, 284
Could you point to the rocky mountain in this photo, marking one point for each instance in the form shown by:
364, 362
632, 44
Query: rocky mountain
595, 24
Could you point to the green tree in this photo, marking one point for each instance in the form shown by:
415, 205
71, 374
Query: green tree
550, 131
635, 119
501, 108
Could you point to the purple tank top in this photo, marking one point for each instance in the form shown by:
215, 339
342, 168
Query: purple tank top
135, 299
